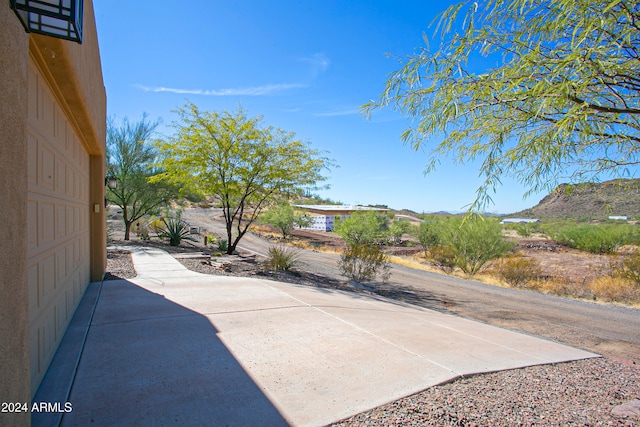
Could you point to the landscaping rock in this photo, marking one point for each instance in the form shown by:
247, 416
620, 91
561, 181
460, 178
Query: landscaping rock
627, 410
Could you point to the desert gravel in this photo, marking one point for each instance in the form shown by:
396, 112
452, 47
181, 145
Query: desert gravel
119, 265
582, 393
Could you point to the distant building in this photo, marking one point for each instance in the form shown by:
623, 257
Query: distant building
324, 216
620, 217
520, 221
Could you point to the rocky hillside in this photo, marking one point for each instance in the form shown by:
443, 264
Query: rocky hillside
589, 201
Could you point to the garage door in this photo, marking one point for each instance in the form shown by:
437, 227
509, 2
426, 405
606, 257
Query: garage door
58, 219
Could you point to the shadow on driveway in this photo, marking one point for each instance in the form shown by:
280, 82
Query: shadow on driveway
147, 361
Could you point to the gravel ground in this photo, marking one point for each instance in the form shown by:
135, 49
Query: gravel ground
119, 265
580, 393
592, 392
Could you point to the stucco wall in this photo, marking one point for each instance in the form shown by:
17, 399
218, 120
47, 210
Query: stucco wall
65, 205
77, 72
52, 145
14, 324
74, 74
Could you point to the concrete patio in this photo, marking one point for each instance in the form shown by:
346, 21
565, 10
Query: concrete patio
174, 347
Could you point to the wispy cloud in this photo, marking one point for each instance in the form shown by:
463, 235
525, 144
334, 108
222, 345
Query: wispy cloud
318, 61
348, 112
246, 91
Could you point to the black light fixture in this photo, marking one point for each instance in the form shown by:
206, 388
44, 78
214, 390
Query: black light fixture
111, 182
55, 18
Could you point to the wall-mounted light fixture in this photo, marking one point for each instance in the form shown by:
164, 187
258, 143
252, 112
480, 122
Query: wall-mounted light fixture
111, 182
55, 18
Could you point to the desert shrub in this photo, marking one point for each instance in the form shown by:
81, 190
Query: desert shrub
210, 238
362, 262
194, 197
634, 234
475, 240
397, 229
141, 228
155, 224
427, 234
523, 229
615, 289
175, 229
443, 257
518, 271
367, 227
597, 239
281, 258
526, 229
561, 287
627, 267
223, 245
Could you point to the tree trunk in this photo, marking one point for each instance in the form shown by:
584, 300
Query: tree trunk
127, 230
127, 222
230, 246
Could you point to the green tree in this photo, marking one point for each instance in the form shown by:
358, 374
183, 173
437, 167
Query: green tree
428, 236
475, 241
561, 101
284, 218
130, 158
363, 227
397, 229
247, 165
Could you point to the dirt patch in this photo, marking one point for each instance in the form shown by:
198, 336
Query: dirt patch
561, 262
319, 239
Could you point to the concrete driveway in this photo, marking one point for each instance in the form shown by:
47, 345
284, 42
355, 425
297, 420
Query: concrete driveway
174, 347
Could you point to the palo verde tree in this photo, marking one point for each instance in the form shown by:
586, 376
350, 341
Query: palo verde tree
363, 227
284, 218
247, 165
428, 235
475, 240
561, 102
397, 229
130, 159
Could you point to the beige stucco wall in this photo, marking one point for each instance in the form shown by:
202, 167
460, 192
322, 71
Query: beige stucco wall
52, 126
14, 323
74, 74
65, 204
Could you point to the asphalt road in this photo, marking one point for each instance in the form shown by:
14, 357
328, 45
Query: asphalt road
606, 329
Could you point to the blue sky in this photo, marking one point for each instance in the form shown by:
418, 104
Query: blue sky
306, 67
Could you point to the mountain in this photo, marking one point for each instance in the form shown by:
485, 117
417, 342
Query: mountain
589, 201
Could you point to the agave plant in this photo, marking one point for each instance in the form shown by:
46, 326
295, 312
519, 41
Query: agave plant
175, 229
281, 258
